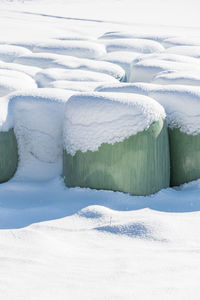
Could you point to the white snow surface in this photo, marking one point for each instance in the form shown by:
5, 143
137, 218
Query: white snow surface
182, 106
49, 60
134, 45
37, 117
82, 49
59, 243
8, 52
44, 77
92, 119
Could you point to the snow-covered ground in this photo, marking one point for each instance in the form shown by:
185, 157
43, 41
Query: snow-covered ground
60, 243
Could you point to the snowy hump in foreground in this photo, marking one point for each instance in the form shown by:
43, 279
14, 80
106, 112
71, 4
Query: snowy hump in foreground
92, 119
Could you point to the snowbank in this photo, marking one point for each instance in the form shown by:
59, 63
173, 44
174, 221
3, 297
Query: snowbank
82, 49
29, 70
11, 84
181, 41
14, 78
122, 59
159, 37
177, 77
79, 86
43, 78
121, 87
193, 51
146, 69
108, 117
8, 52
133, 45
49, 60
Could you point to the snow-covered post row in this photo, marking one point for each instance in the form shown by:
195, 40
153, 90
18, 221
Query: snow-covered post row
182, 105
8, 144
116, 142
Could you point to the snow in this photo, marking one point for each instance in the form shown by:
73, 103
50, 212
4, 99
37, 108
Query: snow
92, 119
49, 60
8, 52
177, 77
59, 243
43, 78
82, 49
193, 51
38, 125
79, 86
133, 45
182, 106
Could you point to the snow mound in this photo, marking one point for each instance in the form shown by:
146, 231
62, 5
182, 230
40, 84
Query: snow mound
177, 77
38, 122
193, 51
95, 118
31, 71
8, 52
146, 69
181, 41
121, 87
82, 49
6, 74
159, 37
133, 45
122, 59
43, 78
182, 106
49, 60
79, 86
11, 84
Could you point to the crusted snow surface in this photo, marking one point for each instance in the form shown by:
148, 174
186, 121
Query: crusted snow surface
50, 60
181, 41
43, 78
95, 118
82, 49
38, 122
182, 106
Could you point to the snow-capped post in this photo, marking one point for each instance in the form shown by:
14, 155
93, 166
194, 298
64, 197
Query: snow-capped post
8, 144
182, 106
116, 142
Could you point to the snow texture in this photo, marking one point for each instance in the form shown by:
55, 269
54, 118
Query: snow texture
43, 78
133, 45
38, 125
96, 118
8, 52
49, 60
82, 49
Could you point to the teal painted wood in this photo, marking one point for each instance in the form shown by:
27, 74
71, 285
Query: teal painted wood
139, 165
8, 155
185, 157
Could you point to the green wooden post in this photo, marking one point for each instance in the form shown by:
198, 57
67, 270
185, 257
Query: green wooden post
8, 155
185, 157
139, 165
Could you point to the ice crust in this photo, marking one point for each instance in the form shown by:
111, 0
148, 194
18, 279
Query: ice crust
92, 119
